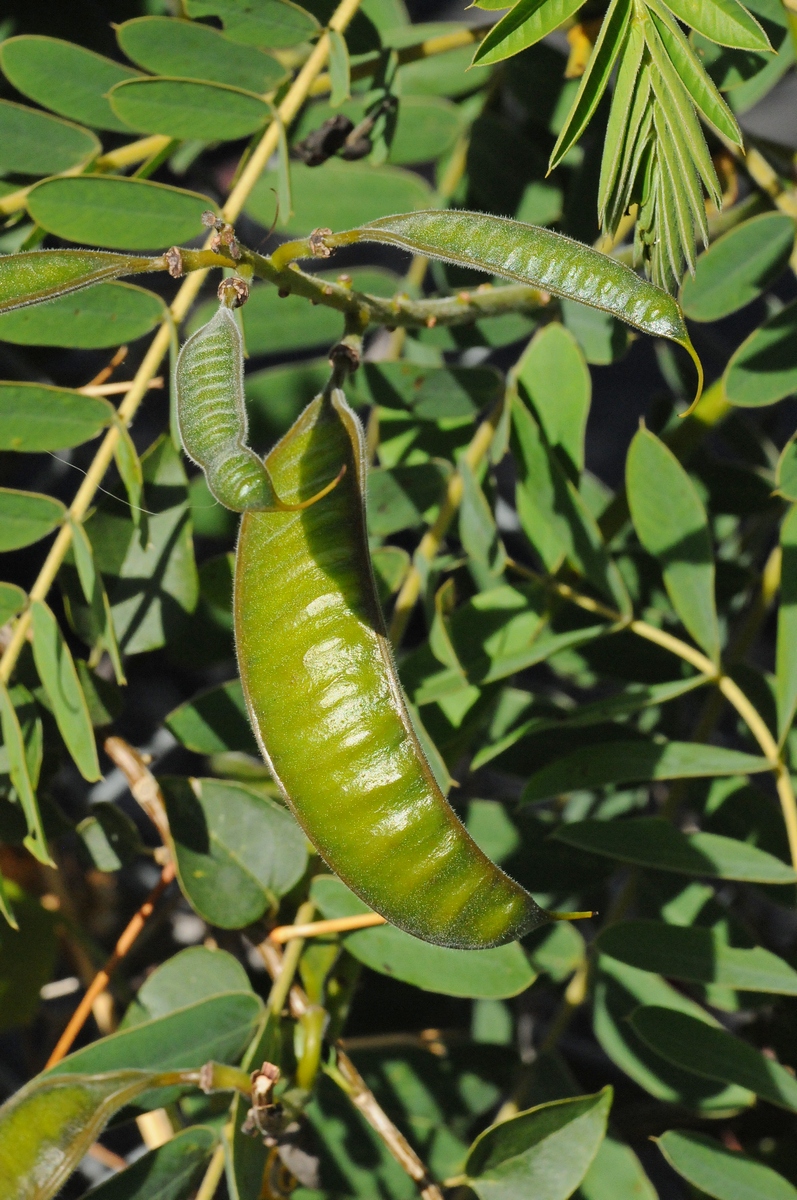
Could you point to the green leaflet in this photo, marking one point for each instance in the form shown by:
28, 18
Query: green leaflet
544, 1152
184, 49
627, 762
34, 417
786, 654
272, 23
498, 972
787, 470
652, 842
339, 69
190, 976
14, 743
34, 143
697, 955
170, 1172
595, 78
553, 515
186, 108
724, 21
701, 88
671, 524
622, 117
236, 850
763, 369
555, 377
738, 267
57, 672
38, 275
534, 256
69, 79
524, 25
719, 1172
122, 214
26, 517
714, 1054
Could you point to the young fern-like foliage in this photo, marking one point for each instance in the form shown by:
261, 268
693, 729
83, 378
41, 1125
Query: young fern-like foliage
656, 160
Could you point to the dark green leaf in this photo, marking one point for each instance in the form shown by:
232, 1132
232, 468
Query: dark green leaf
189, 976
26, 517
34, 418
787, 471
602, 338
671, 524
339, 70
719, 1172
528, 22
724, 21
652, 842
183, 108
786, 657
34, 143
738, 267
764, 368
405, 497
544, 1152
338, 195
259, 22
625, 704
552, 513
615, 1168
123, 214
236, 850
714, 1054
171, 1172
66, 78
501, 971
697, 955
110, 837
556, 380
619, 990
12, 600
106, 315
182, 49
429, 393
218, 1027
152, 586
28, 954
214, 721
57, 672
20, 773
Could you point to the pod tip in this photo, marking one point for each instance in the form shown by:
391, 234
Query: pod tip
571, 916
687, 345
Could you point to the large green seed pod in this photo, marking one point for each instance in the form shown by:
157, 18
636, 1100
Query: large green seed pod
328, 711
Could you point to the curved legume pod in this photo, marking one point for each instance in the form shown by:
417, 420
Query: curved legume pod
538, 257
327, 708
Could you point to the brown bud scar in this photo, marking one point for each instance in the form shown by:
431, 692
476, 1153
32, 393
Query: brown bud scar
464, 297
345, 280
431, 322
174, 261
210, 220
327, 290
283, 293
206, 1077
346, 353
318, 247
233, 291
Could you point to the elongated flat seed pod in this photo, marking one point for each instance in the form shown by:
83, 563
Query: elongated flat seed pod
328, 711
538, 257
36, 275
211, 415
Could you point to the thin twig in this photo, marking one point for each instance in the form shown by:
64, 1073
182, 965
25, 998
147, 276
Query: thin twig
290, 961
285, 933
212, 1177
144, 786
349, 1079
115, 389
102, 978
159, 347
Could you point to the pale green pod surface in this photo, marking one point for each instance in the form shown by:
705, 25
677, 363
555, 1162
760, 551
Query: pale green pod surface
36, 275
540, 258
47, 1127
328, 710
211, 415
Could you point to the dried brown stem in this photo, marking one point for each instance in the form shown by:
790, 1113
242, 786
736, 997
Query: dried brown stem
142, 783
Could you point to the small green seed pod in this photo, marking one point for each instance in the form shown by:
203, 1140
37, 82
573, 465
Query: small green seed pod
211, 414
